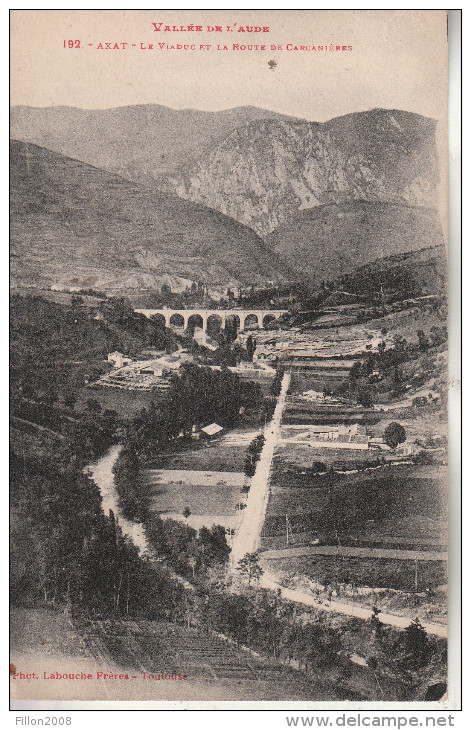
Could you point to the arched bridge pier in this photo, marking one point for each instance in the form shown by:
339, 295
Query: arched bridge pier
243, 317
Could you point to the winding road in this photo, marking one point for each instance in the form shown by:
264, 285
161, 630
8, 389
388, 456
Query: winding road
102, 474
268, 580
247, 538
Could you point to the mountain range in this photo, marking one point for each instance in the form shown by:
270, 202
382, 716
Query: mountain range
137, 142
243, 195
76, 225
265, 172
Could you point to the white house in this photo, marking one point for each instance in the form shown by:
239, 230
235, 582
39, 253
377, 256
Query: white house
118, 360
354, 433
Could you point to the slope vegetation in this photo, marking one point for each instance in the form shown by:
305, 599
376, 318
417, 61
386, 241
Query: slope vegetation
73, 224
324, 242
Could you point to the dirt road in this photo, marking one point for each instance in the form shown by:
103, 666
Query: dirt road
353, 552
247, 537
268, 580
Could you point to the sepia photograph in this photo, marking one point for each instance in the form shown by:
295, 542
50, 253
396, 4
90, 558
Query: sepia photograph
229, 357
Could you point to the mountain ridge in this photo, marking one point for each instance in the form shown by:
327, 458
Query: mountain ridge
72, 221
272, 174
327, 241
136, 141
223, 159
261, 174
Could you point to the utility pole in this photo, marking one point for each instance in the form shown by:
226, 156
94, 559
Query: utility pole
416, 575
289, 531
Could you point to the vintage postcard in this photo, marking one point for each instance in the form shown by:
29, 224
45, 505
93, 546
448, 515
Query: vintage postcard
229, 343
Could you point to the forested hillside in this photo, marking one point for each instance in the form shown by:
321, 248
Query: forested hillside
55, 348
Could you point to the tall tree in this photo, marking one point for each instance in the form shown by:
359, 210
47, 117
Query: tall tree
249, 567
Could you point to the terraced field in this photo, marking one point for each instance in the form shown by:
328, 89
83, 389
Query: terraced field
156, 648
45, 640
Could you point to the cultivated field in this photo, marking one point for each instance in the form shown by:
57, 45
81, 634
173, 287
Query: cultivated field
402, 506
207, 477
125, 402
204, 456
209, 494
390, 507
301, 456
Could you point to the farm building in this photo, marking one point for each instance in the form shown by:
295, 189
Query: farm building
356, 434
118, 360
212, 431
152, 369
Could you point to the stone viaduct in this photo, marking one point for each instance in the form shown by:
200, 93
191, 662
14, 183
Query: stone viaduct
181, 317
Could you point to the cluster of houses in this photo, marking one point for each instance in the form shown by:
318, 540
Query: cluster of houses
300, 349
343, 436
154, 374
118, 360
319, 398
351, 436
143, 375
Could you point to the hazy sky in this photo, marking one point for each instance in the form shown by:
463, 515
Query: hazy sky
399, 60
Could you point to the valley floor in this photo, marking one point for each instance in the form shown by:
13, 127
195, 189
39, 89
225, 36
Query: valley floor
360, 531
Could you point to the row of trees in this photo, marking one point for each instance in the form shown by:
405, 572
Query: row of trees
385, 358
253, 455
275, 386
66, 553
133, 495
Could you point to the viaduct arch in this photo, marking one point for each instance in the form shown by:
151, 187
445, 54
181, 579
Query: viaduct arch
241, 316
